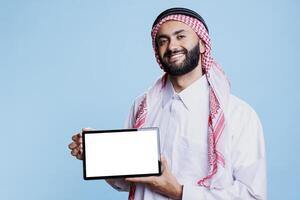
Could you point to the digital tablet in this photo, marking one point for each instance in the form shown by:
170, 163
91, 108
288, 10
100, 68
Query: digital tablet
121, 153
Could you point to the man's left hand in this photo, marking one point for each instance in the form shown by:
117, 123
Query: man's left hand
165, 184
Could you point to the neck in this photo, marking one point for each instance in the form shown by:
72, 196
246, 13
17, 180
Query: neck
181, 82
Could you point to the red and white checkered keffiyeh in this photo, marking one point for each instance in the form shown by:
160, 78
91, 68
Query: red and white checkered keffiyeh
219, 90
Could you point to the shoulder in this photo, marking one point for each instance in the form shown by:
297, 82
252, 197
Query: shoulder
151, 95
138, 101
238, 108
241, 117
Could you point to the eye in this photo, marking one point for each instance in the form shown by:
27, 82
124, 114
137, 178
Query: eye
179, 37
162, 41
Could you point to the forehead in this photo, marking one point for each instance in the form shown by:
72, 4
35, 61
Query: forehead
170, 27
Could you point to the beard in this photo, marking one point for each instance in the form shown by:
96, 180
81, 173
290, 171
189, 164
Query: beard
187, 65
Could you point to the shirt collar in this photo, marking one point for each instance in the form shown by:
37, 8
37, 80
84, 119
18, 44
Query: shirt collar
168, 93
190, 95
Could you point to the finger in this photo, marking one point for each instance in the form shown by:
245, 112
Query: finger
72, 145
79, 156
80, 150
164, 163
80, 140
76, 137
140, 179
74, 152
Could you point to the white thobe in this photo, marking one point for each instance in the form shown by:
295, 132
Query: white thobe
182, 119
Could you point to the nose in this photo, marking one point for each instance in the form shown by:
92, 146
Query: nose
173, 45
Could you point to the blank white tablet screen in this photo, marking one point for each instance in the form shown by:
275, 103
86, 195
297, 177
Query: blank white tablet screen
122, 153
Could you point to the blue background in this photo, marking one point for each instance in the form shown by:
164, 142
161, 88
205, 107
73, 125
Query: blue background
70, 64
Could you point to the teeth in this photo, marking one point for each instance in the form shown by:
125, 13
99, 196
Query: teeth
176, 54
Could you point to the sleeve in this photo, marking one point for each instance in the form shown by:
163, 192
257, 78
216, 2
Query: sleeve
248, 167
120, 184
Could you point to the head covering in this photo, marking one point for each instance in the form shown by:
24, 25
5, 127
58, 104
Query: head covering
181, 11
219, 90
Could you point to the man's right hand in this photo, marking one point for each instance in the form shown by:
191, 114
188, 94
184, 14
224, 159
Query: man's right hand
76, 145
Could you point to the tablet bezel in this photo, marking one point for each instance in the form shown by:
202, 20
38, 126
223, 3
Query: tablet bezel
120, 130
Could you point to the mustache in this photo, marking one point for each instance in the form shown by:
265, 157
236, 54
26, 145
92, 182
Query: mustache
176, 51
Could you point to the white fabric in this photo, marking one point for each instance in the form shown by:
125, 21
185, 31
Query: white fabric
182, 120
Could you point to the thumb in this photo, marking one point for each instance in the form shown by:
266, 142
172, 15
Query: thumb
164, 163
87, 129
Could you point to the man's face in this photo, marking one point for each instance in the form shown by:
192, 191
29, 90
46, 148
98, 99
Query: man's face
178, 48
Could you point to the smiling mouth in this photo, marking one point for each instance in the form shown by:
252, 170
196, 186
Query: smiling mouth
175, 57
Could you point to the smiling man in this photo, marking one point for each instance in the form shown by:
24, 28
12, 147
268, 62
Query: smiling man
178, 61
211, 141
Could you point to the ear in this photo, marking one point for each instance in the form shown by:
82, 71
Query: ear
202, 47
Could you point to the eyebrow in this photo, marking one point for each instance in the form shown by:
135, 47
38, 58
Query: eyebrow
166, 36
